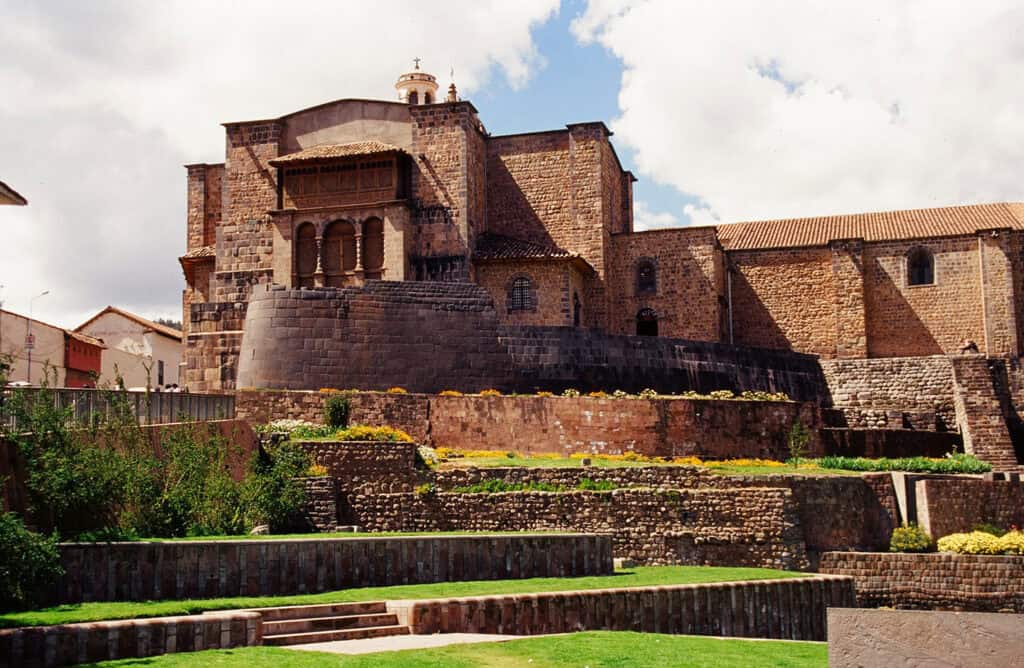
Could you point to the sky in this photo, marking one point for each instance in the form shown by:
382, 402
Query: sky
725, 111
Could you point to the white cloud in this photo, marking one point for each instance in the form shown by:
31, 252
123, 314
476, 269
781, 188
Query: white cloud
646, 219
764, 109
101, 104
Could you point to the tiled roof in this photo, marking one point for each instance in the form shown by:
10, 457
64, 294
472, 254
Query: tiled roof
332, 151
169, 332
491, 246
881, 226
85, 338
196, 253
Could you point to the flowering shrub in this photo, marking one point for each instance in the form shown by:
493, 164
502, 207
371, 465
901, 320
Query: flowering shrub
329, 390
598, 395
1012, 542
648, 394
359, 432
982, 542
316, 471
294, 429
764, 396
619, 394
545, 394
397, 390
722, 394
450, 393
491, 392
571, 393
910, 538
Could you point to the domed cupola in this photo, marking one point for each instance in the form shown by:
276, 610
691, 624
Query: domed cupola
417, 87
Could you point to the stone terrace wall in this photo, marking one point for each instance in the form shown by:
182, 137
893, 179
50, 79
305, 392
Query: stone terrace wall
741, 527
932, 581
71, 644
205, 569
555, 358
946, 506
661, 427
792, 609
875, 392
889, 442
834, 512
366, 465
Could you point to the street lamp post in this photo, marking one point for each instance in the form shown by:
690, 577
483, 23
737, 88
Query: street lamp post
29, 341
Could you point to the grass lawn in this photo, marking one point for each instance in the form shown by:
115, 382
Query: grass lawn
636, 577
593, 649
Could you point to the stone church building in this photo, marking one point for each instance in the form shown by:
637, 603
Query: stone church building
339, 196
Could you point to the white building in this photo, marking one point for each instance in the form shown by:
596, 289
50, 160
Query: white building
133, 343
46, 349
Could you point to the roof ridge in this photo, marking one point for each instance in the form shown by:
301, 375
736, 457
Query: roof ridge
145, 322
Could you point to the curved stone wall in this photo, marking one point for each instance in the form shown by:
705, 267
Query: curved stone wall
428, 337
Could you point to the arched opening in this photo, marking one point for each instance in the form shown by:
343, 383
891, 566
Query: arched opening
373, 248
520, 294
646, 277
414, 97
305, 255
339, 252
647, 322
920, 267
427, 98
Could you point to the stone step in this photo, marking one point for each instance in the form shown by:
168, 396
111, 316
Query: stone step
337, 634
305, 624
321, 610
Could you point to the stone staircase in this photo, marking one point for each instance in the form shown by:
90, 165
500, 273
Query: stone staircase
295, 625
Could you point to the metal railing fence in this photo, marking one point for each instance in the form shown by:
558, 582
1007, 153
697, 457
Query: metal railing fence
88, 405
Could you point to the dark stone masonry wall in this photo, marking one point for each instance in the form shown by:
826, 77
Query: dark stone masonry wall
205, 569
71, 644
428, 337
946, 506
932, 581
792, 609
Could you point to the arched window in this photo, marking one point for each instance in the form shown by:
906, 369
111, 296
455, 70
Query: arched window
305, 255
646, 322
427, 99
373, 248
339, 252
414, 97
521, 295
646, 277
920, 267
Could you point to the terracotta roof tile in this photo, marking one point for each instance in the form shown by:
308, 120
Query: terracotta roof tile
880, 226
9, 196
491, 246
332, 151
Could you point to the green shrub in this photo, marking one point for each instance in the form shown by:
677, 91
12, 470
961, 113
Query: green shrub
955, 463
28, 563
799, 437
910, 538
497, 486
336, 411
987, 527
272, 494
596, 485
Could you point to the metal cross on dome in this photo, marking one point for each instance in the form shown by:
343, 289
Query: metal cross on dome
417, 62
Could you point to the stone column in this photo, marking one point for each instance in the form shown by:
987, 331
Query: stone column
318, 274
359, 248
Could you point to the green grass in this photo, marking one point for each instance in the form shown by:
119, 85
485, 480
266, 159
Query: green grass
595, 649
637, 577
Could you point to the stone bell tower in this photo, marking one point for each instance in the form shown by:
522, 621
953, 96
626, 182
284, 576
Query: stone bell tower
417, 87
